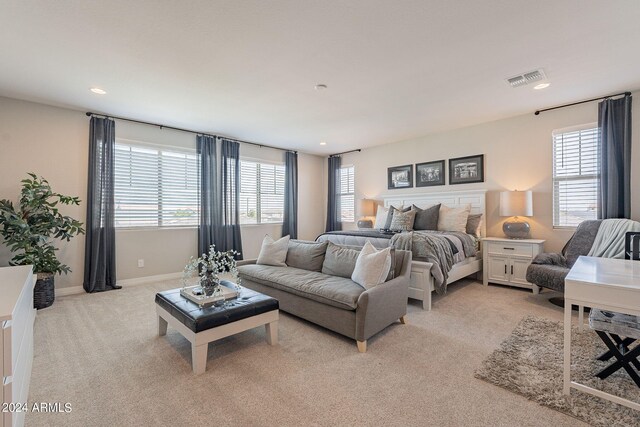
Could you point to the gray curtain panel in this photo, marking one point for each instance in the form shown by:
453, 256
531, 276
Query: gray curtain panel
210, 209
100, 238
290, 220
614, 123
333, 201
229, 236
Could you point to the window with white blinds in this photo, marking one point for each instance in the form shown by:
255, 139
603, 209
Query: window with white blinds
155, 186
261, 192
346, 194
576, 175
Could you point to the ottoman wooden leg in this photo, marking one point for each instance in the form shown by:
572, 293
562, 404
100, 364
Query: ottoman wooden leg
162, 326
271, 330
199, 358
362, 346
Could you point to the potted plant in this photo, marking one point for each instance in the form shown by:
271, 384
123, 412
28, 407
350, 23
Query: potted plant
30, 229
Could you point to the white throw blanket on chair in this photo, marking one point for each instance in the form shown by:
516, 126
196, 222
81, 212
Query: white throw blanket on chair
609, 241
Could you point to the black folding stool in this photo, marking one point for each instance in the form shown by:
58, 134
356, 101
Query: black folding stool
611, 327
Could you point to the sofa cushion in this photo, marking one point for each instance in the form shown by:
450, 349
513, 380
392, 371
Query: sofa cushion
273, 252
331, 290
306, 255
339, 260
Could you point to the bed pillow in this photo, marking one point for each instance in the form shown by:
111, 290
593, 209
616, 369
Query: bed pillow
273, 252
403, 221
381, 218
392, 211
453, 219
306, 255
426, 219
473, 224
339, 261
372, 266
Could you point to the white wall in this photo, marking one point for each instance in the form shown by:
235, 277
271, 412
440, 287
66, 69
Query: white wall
517, 156
52, 142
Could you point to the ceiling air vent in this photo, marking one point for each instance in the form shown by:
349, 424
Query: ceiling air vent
527, 78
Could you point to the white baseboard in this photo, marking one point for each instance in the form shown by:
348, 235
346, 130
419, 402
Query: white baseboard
72, 290
69, 290
149, 279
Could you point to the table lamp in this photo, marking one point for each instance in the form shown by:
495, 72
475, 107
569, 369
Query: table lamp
515, 204
365, 210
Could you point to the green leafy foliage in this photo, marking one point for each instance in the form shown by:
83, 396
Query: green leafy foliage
29, 231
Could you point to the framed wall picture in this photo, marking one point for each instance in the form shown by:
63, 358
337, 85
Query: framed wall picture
400, 177
430, 173
465, 170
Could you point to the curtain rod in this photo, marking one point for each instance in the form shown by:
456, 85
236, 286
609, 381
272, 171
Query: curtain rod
345, 152
90, 114
582, 102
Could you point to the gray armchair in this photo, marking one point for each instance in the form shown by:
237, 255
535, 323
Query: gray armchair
549, 270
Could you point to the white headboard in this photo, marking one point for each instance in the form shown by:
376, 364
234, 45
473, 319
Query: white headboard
453, 199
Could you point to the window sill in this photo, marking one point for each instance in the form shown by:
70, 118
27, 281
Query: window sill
190, 227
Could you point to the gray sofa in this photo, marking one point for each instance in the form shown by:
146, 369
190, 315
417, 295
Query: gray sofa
320, 290
549, 270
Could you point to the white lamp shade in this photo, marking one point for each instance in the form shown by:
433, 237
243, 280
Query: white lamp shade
365, 207
516, 203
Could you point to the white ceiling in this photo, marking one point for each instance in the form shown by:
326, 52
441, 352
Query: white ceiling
394, 69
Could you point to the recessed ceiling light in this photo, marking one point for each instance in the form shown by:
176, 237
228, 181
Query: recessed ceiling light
323, 143
321, 87
98, 90
542, 86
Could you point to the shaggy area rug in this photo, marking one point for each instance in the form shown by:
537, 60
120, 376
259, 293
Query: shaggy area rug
529, 363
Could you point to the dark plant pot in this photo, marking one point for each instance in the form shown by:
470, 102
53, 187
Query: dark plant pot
44, 291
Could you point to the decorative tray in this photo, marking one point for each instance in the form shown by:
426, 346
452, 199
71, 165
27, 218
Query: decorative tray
196, 294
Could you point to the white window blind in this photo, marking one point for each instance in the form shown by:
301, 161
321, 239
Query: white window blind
576, 175
346, 194
261, 192
155, 186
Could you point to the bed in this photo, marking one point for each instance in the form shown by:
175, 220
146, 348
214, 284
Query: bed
422, 277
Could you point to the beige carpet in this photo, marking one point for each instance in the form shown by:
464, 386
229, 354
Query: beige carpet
101, 354
528, 362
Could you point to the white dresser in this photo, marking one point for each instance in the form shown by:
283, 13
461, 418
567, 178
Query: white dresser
17, 316
506, 260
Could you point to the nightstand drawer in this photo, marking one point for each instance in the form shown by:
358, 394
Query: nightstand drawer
508, 248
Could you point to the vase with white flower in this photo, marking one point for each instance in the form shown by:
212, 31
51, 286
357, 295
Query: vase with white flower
209, 268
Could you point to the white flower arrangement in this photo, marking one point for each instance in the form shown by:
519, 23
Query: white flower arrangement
210, 265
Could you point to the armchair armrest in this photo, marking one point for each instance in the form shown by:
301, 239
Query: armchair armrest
550, 259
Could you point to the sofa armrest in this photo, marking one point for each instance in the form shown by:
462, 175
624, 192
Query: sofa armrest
246, 262
380, 306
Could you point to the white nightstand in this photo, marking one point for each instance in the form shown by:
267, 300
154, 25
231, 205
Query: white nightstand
505, 261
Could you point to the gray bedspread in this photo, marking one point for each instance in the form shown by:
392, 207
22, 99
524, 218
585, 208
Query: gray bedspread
434, 247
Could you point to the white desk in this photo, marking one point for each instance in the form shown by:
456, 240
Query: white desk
609, 284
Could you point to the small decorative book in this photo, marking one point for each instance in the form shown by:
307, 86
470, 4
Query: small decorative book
203, 300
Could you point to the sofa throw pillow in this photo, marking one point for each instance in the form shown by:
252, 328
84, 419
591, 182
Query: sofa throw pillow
403, 221
426, 219
339, 260
392, 211
306, 255
273, 252
381, 218
453, 219
372, 266
473, 224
